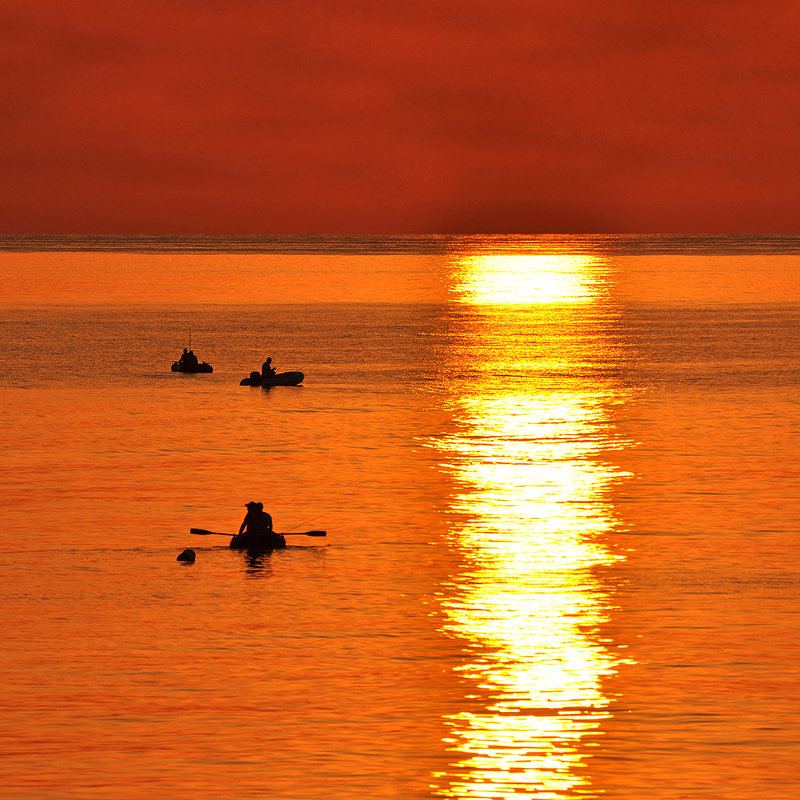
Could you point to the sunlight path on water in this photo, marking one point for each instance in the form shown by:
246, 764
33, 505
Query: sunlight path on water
525, 280
529, 508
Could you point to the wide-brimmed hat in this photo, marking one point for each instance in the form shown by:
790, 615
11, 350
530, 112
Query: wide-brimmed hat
253, 504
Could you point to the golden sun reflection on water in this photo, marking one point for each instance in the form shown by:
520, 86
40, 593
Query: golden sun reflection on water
530, 506
518, 280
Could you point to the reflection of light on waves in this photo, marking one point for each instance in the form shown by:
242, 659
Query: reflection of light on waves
522, 280
527, 602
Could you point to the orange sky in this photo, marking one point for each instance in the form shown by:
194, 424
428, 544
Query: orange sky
354, 116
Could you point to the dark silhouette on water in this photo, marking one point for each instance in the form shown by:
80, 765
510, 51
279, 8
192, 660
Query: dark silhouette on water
255, 532
188, 359
188, 362
257, 562
187, 555
270, 377
253, 380
204, 532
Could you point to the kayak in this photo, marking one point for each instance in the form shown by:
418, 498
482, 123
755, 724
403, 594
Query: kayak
281, 379
176, 367
248, 541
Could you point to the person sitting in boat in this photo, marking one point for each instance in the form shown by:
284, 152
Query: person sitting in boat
267, 370
191, 359
256, 522
255, 532
182, 359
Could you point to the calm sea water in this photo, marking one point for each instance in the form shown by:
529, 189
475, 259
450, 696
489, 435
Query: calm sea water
559, 480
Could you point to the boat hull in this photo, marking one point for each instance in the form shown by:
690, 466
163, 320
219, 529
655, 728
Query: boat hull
284, 379
192, 370
281, 379
247, 541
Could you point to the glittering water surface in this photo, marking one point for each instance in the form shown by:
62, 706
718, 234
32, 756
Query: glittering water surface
560, 496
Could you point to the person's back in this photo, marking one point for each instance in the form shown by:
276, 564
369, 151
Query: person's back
260, 523
256, 528
264, 532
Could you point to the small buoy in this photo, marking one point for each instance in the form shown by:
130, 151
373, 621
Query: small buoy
187, 555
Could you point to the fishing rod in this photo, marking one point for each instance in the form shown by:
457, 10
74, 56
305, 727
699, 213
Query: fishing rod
288, 530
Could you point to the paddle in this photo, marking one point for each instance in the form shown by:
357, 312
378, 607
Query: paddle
203, 532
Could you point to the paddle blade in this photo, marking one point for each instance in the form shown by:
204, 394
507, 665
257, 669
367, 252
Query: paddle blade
204, 532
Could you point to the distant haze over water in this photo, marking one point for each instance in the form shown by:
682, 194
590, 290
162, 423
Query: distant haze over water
410, 243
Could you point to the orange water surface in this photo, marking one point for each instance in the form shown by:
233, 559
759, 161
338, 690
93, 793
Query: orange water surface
560, 499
